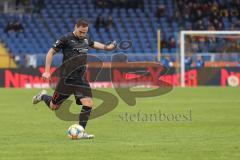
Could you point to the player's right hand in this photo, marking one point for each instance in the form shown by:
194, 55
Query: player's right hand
46, 76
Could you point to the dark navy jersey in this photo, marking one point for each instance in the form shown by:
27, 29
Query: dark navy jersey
74, 52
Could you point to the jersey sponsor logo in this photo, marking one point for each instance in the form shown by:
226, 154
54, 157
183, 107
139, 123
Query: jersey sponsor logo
80, 50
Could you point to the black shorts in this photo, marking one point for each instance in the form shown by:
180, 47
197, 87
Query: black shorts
65, 89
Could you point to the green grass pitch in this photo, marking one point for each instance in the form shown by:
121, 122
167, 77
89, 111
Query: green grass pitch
213, 132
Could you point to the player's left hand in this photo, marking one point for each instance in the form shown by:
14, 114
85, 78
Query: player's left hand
112, 45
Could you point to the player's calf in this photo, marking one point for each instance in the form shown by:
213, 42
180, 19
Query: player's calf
47, 99
85, 112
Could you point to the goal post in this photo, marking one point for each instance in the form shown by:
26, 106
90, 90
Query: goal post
182, 46
159, 45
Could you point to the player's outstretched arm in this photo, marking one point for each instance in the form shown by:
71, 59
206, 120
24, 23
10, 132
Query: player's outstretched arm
46, 75
109, 47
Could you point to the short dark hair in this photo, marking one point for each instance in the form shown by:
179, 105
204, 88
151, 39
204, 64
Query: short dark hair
82, 22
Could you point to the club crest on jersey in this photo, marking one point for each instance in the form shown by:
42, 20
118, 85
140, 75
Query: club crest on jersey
86, 41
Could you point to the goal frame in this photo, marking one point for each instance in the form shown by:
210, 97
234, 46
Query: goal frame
183, 33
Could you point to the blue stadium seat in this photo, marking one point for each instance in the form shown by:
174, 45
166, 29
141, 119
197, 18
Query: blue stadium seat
41, 30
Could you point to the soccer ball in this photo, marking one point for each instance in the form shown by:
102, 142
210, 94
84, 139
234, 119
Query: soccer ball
75, 131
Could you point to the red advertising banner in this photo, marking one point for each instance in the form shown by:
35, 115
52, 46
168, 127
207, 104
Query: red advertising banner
146, 77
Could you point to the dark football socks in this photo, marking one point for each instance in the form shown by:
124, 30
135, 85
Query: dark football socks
47, 99
84, 116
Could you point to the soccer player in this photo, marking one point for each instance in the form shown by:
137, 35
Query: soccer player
72, 45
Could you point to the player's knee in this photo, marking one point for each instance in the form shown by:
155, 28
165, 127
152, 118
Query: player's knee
54, 106
87, 102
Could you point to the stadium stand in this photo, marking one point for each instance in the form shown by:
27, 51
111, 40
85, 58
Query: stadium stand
138, 23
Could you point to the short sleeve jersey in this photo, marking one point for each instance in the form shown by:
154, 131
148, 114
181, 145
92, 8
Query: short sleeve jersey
72, 48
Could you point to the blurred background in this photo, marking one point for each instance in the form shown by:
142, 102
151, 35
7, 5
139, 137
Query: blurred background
29, 27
